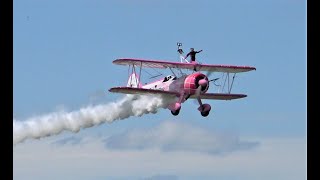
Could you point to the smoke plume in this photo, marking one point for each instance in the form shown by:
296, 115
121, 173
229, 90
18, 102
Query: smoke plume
55, 123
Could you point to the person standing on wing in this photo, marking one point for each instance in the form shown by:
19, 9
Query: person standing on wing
192, 54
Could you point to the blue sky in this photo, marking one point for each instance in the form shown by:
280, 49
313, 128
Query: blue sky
63, 53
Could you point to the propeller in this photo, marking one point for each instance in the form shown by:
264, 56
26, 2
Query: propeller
208, 74
202, 82
214, 79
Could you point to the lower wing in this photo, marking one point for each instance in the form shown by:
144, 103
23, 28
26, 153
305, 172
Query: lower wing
141, 91
220, 96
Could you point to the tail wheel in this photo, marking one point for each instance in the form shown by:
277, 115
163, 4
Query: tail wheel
175, 113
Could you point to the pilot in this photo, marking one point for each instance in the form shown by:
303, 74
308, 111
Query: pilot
192, 54
167, 78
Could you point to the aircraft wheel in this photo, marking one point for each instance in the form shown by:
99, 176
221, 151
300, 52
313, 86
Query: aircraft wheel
205, 113
175, 113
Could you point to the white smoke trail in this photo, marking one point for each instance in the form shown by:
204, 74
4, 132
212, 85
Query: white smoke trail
55, 123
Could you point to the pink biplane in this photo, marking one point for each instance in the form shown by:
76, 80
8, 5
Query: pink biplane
182, 85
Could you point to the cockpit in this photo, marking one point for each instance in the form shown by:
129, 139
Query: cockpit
170, 77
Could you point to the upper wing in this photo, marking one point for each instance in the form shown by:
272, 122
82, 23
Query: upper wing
220, 96
130, 90
191, 66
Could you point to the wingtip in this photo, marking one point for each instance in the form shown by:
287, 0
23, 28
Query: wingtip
111, 89
115, 60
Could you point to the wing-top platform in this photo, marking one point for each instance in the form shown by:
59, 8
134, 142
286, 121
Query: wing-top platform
191, 66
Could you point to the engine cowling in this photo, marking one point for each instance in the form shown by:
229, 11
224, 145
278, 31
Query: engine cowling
193, 81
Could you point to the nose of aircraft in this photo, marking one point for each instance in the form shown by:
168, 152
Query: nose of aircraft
203, 82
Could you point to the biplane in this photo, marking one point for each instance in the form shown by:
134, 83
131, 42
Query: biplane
182, 85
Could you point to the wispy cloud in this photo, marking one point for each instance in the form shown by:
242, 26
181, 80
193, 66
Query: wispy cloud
174, 136
193, 157
68, 140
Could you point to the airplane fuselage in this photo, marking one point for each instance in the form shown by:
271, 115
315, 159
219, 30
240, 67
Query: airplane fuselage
169, 83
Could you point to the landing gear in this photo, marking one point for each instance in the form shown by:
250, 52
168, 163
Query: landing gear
205, 113
175, 107
175, 113
204, 109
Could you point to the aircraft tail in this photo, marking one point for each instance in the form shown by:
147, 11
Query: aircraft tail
133, 81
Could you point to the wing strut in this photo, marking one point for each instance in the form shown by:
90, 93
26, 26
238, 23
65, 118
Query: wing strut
133, 79
172, 71
234, 75
140, 72
227, 82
